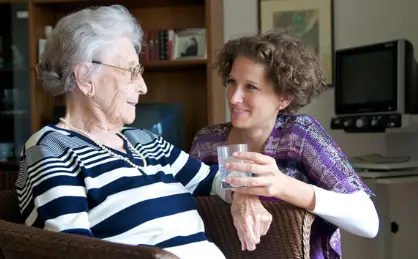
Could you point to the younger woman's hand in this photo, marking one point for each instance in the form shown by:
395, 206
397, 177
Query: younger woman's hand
267, 180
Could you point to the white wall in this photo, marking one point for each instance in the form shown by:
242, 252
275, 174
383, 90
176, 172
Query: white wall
356, 22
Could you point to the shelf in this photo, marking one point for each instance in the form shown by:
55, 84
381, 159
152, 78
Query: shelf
69, 4
13, 70
13, 1
12, 113
167, 65
9, 163
178, 81
174, 64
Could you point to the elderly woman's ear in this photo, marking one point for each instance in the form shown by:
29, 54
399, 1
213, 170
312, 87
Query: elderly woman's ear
83, 77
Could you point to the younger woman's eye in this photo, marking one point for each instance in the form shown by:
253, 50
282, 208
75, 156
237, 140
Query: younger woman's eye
230, 82
252, 87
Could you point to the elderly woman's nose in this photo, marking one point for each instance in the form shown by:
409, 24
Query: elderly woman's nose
141, 86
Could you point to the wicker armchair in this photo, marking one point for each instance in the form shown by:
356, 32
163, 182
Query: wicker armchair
288, 236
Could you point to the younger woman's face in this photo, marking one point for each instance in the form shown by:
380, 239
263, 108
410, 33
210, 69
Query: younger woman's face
251, 97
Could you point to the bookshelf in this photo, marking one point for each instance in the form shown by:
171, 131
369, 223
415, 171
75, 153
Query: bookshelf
192, 82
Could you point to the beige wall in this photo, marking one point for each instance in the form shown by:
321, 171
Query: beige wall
356, 22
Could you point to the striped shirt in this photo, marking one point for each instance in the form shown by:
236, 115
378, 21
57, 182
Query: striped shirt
69, 184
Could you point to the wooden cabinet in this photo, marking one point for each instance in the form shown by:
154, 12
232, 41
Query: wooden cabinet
7, 180
15, 114
192, 82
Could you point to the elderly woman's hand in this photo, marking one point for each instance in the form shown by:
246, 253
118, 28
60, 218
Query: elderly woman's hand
268, 180
251, 220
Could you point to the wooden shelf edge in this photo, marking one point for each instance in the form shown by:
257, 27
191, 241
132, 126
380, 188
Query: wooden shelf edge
55, 1
142, 3
165, 64
13, 1
9, 162
174, 63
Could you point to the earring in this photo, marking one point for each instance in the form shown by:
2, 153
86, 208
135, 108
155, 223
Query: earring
90, 94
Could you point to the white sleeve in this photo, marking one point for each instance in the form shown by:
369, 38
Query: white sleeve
354, 213
217, 188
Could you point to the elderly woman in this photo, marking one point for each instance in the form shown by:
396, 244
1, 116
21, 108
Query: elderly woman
268, 79
88, 175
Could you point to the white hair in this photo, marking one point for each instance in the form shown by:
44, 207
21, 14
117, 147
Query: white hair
83, 36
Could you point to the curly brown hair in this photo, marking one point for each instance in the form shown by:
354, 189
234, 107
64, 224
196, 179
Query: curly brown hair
292, 68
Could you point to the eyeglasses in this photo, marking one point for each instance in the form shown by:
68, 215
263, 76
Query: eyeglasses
135, 71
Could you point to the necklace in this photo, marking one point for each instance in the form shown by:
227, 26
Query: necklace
82, 132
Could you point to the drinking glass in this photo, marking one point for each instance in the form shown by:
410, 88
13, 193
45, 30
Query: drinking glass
224, 156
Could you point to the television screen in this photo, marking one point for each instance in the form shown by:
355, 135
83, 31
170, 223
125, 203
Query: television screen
164, 119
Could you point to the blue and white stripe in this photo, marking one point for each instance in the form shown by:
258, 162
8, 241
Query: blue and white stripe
68, 184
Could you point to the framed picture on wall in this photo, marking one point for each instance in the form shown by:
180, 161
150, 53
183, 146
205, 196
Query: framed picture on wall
309, 20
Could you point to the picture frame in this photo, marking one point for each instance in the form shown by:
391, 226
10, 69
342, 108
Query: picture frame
189, 44
311, 21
